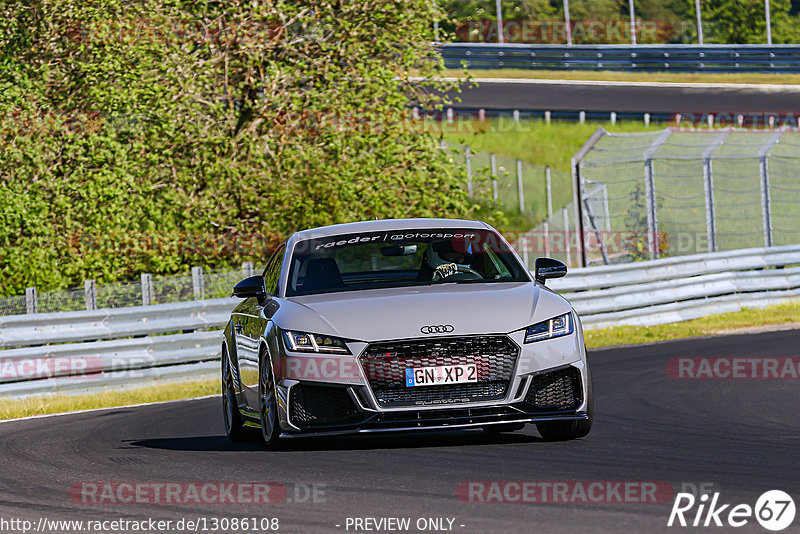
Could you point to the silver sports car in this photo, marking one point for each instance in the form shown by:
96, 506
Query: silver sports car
403, 325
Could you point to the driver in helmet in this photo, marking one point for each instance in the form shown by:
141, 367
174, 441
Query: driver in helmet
445, 259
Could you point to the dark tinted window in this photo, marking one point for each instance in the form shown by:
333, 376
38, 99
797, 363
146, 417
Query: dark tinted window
397, 259
272, 273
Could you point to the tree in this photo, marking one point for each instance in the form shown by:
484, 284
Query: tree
149, 135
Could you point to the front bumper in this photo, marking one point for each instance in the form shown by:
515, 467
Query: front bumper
318, 409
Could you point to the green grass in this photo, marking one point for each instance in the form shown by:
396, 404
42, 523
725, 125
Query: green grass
535, 142
40, 405
675, 77
704, 326
621, 335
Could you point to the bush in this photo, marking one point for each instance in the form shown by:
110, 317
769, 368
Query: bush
150, 135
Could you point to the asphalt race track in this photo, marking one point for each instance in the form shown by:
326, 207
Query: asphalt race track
739, 437
630, 97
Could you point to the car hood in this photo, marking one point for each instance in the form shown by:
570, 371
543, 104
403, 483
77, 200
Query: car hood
386, 314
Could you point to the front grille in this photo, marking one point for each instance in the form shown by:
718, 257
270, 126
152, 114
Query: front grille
385, 364
316, 406
556, 390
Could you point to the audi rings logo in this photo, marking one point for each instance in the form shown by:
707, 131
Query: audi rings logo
437, 329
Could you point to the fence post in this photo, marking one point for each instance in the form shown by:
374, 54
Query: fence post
549, 191
633, 22
577, 192
31, 300
699, 21
247, 269
197, 283
493, 161
567, 24
468, 156
652, 221
650, 193
520, 188
499, 13
89, 291
567, 236
766, 200
708, 184
769, 22
147, 289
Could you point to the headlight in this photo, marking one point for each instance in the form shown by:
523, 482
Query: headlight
303, 342
555, 327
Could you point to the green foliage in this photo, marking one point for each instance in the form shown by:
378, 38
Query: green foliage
148, 136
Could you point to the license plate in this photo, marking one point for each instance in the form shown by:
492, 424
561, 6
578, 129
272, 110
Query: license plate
441, 375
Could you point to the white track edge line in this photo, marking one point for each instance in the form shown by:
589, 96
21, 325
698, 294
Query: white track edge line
91, 410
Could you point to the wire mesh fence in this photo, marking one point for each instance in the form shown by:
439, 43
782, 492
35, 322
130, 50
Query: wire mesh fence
517, 187
149, 290
671, 193
13, 305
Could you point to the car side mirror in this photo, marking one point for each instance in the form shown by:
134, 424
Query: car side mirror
546, 268
250, 287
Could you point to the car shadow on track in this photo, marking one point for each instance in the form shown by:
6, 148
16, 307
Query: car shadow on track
398, 441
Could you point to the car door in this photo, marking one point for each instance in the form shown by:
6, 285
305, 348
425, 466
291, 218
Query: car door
254, 324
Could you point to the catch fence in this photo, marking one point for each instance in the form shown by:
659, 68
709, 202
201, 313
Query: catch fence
643, 196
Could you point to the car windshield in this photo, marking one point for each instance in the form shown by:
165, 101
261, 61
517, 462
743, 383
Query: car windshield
405, 258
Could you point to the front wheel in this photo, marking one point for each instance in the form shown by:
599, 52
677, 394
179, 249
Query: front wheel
564, 430
270, 428
234, 426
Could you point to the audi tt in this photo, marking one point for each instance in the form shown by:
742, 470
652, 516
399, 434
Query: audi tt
402, 325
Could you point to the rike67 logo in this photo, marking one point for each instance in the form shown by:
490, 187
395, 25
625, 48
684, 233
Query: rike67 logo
774, 510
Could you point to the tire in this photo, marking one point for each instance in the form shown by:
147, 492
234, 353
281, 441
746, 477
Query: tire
234, 425
268, 404
567, 430
499, 429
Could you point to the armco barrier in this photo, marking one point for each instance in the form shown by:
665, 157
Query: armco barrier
87, 351
643, 58
21, 330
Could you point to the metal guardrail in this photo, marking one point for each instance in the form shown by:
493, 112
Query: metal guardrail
686, 267
682, 288
76, 352
43, 328
673, 58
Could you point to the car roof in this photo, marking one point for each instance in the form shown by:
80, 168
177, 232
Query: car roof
384, 225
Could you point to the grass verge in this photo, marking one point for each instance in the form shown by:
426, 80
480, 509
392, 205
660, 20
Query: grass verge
534, 141
41, 405
620, 335
674, 77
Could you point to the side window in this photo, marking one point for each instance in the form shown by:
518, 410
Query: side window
273, 271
